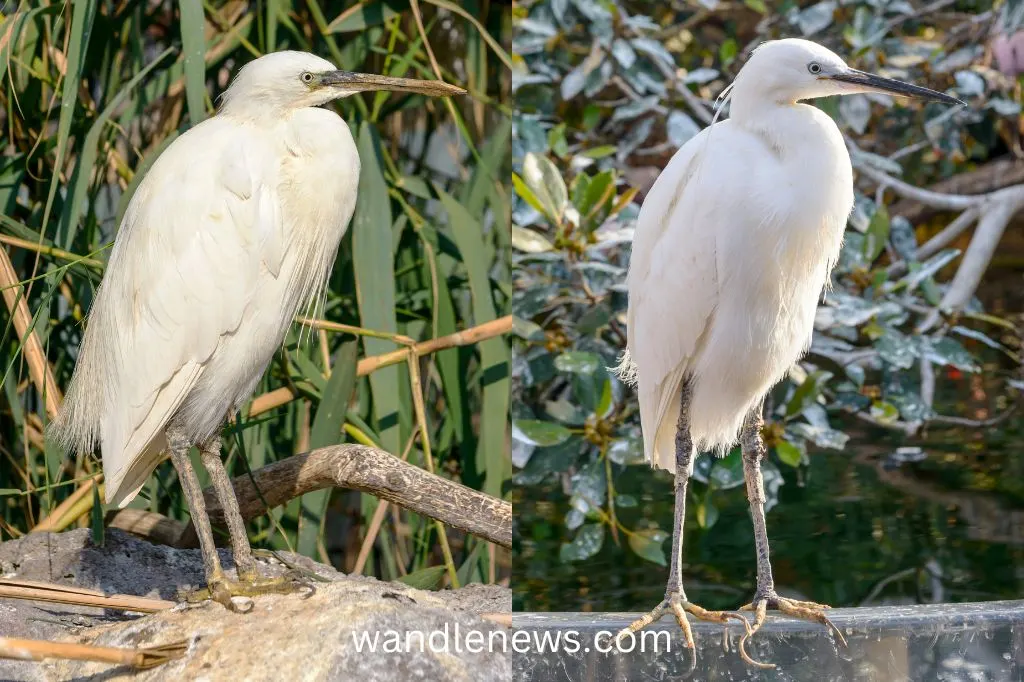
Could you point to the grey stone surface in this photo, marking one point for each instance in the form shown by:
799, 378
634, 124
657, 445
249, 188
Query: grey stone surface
284, 637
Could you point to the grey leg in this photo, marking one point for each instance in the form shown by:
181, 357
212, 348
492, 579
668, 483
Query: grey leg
244, 562
766, 597
675, 597
179, 446
753, 453
684, 458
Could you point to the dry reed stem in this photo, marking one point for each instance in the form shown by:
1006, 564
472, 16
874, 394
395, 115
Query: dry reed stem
65, 594
38, 650
54, 521
32, 348
503, 325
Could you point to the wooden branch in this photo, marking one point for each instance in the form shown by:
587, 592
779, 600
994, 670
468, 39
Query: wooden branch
988, 178
281, 396
938, 200
998, 209
358, 467
32, 348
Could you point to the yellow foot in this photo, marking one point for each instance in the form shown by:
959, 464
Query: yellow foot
222, 590
804, 610
679, 606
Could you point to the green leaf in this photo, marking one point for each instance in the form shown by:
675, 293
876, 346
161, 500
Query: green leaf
647, 544
578, 362
884, 412
428, 578
530, 241
193, 49
526, 194
727, 51
540, 433
876, 235
375, 283
807, 392
525, 329
789, 453
326, 430
367, 14
494, 353
588, 541
546, 183
81, 29
707, 513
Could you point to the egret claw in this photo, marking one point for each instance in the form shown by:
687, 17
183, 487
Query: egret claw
679, 606
804, 610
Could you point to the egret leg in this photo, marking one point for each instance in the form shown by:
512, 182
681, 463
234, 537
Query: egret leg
250, 583
244, 563
675, 596
766, 598
179, 445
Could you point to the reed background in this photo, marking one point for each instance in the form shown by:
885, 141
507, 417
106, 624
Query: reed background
92, 91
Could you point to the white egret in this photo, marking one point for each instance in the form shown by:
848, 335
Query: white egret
733, 247
236, 225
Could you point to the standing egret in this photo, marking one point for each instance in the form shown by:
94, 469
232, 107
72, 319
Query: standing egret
236, 225
733, 247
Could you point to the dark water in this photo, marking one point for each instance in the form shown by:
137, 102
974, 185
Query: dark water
852, 528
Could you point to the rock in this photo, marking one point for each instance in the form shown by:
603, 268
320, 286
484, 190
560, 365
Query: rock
327, 636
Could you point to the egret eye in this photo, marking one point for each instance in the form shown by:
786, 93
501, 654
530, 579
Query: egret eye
814, 67
307, 78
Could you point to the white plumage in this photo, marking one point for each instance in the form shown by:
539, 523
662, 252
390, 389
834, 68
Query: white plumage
233, 228
734, 245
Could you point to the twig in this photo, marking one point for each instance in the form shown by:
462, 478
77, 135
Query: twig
64, 594
370, 470
273, 399
996, 212
975, 423
948, 202
141, 659
51, 251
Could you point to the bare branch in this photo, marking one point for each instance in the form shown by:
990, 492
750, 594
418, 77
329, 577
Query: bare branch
358, 467
999, 207
949, 202
940, 241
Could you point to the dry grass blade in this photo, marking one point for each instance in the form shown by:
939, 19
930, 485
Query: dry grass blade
142, 659
64, 594
62, 516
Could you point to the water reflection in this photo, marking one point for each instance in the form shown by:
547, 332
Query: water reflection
856, 527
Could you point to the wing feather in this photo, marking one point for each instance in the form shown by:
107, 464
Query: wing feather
181, 276
673, 292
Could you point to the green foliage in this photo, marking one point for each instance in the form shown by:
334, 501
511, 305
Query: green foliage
93, 91
605, 94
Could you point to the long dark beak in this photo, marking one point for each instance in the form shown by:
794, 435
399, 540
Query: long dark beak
870, 81
363, 82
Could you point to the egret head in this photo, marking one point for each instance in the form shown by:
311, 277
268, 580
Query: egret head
790, 70
282, 81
